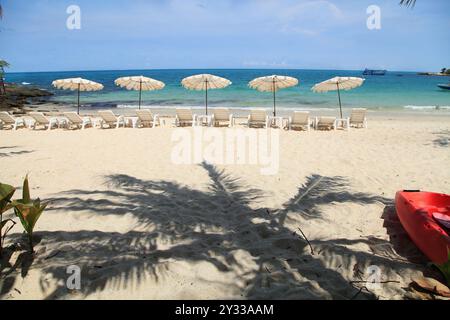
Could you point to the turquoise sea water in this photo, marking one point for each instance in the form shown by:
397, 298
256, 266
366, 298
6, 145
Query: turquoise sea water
402, 90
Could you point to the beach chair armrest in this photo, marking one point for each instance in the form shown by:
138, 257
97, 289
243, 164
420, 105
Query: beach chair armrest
156, 120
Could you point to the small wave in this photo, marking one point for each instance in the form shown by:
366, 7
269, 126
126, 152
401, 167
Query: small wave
411, 107
135, 106
26, 83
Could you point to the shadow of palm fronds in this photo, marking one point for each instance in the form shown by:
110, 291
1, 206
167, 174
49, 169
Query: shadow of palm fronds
218, 226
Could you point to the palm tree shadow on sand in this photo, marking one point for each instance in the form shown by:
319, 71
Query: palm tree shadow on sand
221, 224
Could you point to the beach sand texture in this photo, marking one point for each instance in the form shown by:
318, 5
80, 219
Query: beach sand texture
140, 227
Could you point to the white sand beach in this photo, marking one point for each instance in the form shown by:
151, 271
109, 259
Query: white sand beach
141, 227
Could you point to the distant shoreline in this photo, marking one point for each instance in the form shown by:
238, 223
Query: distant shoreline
434, 74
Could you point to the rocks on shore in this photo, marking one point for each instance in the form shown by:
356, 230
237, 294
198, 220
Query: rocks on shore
17, 96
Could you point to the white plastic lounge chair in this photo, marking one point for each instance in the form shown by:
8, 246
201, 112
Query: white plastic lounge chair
110, 119
184, 116
358, 118
41, 120
146, 118
326, 123
258, 118
222, 115
300, 119
7, 120
75, 120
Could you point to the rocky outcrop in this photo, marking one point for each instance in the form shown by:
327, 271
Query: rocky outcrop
18, 95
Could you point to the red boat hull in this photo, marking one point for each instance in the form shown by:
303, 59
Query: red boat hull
415, 210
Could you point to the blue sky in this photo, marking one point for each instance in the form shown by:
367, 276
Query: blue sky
170, 34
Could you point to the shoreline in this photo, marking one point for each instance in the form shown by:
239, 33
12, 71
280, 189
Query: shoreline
58, 108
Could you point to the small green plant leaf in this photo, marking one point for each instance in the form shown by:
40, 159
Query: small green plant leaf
445, 268
6, 193
4, 223
26, 190
28, 211
29, 214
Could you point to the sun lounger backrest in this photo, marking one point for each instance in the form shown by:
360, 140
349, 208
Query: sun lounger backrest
358, 115
73, 117
300, 117
39, 117
221, 114
107, 115
326, 121
184, 114
6, 117
145, 115
258, 115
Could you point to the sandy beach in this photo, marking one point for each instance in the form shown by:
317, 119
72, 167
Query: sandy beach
141, 227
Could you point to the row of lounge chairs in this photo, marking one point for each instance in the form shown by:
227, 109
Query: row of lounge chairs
185, 117
259, 118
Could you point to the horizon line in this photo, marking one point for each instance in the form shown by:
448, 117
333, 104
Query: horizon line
173, 69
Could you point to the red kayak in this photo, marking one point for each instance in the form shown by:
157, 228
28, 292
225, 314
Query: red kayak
426, 218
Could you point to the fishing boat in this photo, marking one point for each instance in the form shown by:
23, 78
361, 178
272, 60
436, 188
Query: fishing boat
444, 86
370, 72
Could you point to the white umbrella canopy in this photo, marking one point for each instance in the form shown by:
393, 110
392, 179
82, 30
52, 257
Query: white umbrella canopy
272, 84
205, 82
140, 83
338, 83
78, 84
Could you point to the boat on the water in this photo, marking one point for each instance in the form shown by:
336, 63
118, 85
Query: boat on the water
426, 218
370, 72
444, 86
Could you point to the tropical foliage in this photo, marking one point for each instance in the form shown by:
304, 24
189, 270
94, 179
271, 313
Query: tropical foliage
3, 64
28, 211
408, 3
6, 193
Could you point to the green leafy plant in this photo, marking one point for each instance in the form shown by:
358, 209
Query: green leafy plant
445, 268
6, 193
28, 211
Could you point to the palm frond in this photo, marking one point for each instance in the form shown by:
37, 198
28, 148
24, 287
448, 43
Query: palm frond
408, 3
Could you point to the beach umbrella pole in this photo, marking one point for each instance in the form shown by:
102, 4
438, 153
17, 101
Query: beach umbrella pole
206, 97
140, 94
78, 110
339, 97
274, 99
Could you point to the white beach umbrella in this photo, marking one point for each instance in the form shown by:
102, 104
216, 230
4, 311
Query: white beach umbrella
140, 83
338, 83
205, 82
272, 84
78, 84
